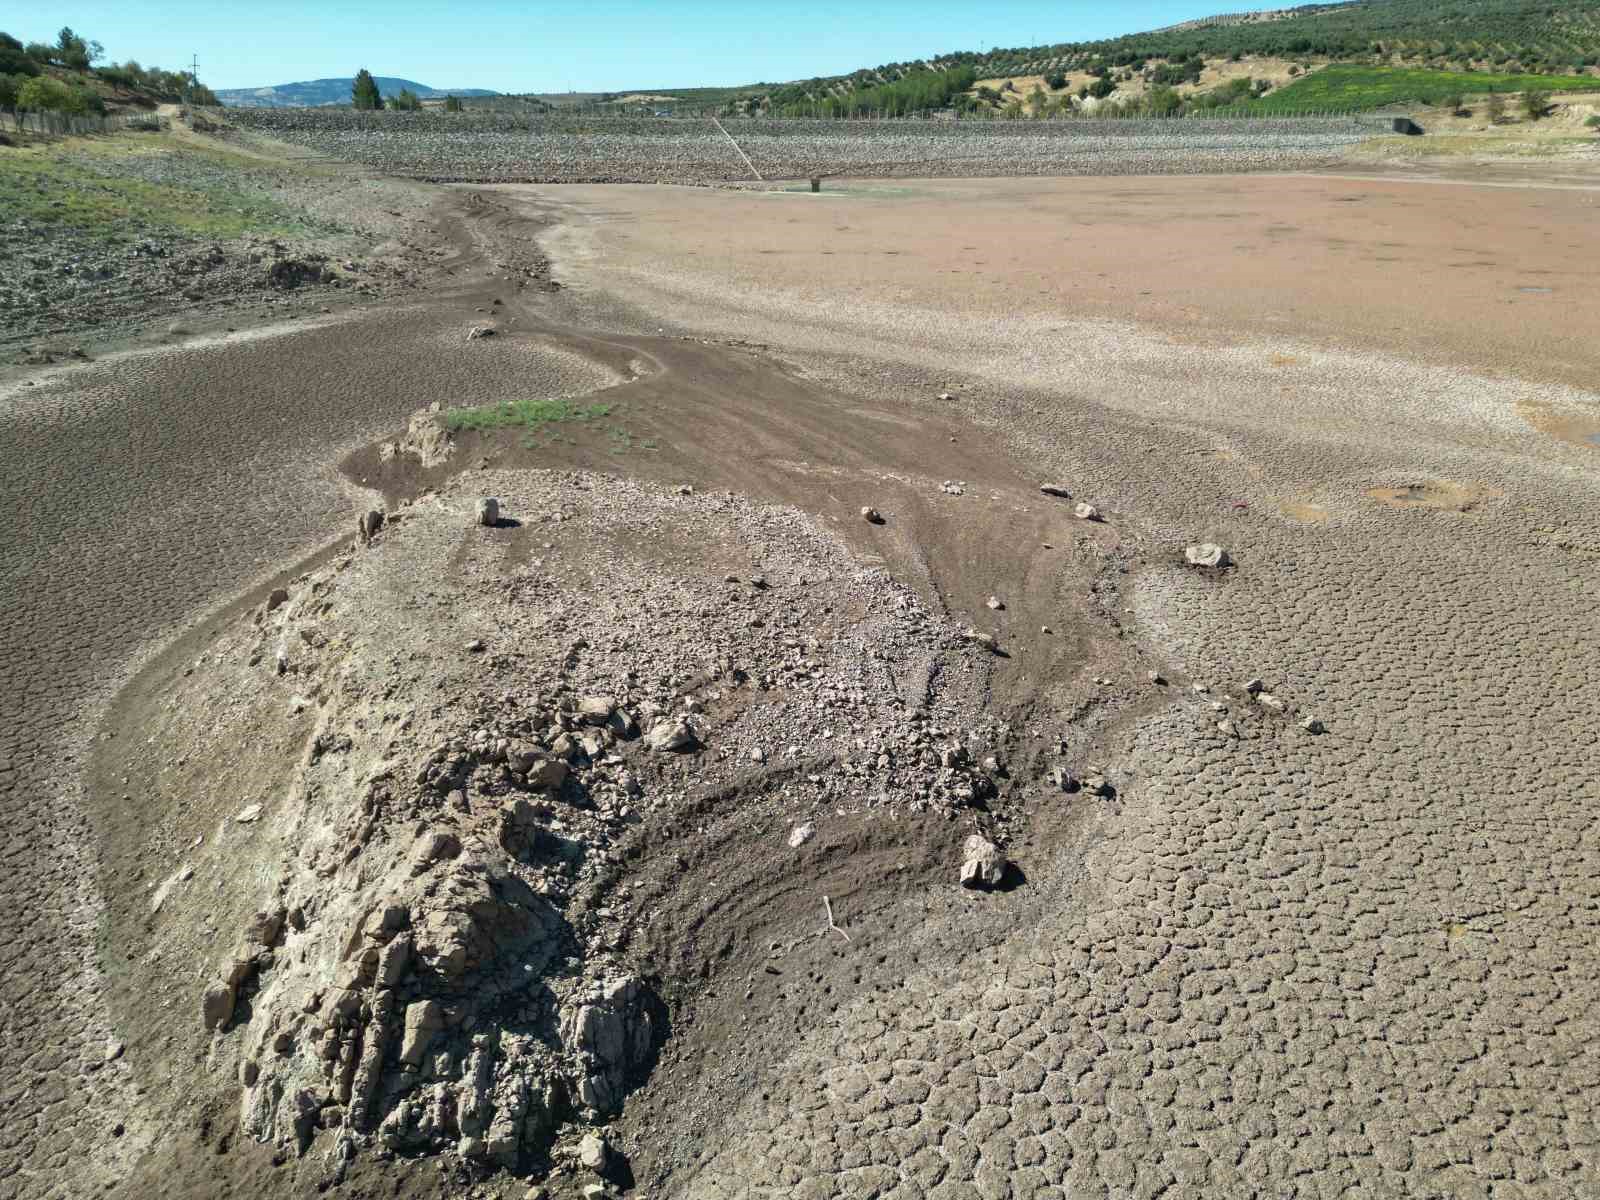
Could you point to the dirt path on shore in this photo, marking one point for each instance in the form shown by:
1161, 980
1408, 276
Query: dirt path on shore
1362, 958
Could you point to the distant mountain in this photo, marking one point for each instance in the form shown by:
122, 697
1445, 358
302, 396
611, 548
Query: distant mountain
318, 93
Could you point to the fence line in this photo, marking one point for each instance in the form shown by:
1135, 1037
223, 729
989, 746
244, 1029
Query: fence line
60, 124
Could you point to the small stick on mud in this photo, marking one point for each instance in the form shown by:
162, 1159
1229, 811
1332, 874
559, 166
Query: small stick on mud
827, 905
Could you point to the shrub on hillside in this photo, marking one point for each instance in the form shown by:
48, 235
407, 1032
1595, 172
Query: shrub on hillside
1535, 104
14, 59
44, 94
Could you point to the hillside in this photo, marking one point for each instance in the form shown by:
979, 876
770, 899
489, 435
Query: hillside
315, 93
61, 77
1507, 37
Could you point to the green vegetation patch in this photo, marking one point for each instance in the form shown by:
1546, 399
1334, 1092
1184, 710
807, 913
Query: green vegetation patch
522, 414
136, 185
1353, 88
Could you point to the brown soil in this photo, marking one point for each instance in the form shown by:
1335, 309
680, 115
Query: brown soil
1275, 945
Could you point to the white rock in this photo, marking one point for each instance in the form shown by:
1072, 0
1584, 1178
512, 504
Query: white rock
1268, 700
983, 865
596, 710
1207, 554
675, 736
871, 516
1086, 512
593, 1152
995, 603
801, 834
248, 814
423, 1020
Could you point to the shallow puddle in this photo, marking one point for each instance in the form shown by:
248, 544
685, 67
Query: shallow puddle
1438, 495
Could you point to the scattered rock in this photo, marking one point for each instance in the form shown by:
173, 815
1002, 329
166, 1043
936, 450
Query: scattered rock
370, 522
216, 1005
801, 834
983, 866
1252, 686
1056, 489
488, 511
1156, 678
594, 1153
675, 736
478, 332
475, 646
248, 814
951, 488
1313, 725
872, 516
1086, 512
995, 603
946, 396
987, 640
1268, 700
1228, 728
596, 710
289, 273
1207, 554
277, 599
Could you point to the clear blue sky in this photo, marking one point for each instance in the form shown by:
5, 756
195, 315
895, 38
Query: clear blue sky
582, 45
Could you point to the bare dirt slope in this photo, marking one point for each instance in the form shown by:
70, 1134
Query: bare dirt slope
1338, 939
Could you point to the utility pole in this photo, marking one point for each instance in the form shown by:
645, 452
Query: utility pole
194, 77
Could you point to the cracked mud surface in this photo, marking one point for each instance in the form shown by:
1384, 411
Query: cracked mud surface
1281, 963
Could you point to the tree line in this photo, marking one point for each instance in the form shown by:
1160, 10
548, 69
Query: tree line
364, 95
56, 77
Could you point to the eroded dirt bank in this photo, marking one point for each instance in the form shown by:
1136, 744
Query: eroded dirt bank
1263, 959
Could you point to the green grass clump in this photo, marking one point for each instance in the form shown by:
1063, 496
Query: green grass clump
522, 414
102, 187
1354, 88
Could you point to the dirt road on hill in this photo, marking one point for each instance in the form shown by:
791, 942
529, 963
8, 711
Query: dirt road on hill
1285, 963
